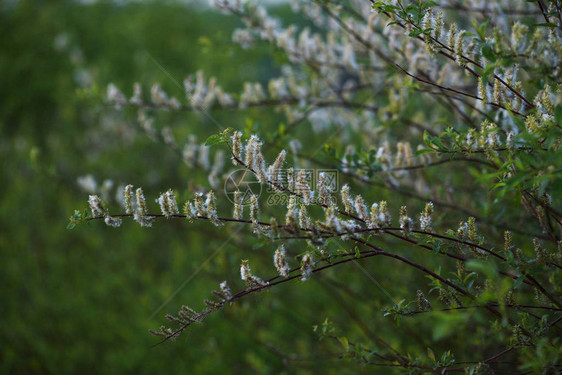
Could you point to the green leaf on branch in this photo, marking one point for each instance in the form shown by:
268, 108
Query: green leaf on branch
77, 218
430, 354
424, 151
488, 52
481, 29
222, 137
344, 342
428, 4
213, 140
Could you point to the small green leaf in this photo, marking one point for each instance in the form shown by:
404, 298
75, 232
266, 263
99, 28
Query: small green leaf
424, 151
415, 32
430, 354
518, 282
76, 219
213, 140
344, 343
481, 30
497, 186
487, 72
427, 139
488, 52
428, 4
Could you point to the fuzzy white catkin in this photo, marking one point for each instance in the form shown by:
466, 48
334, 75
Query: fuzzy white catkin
384, 217
323, 188
374, 221
225, 289
141, 202
332, 221
190, 211
245, 271
246, 275
290, 218
406, 223
238, 207
425, 217
128, 199
251, 151
163, 205
274, 171
95, 205
346, 199
303, 188
360, 208
113, 221
438, 26
211, 208
254, 209
236, 139
291, 183
168, 204
200, 204
304, 220
115, 96
306, 266
259, 165
280, 261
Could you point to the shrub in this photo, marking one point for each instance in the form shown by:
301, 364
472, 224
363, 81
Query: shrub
422, 132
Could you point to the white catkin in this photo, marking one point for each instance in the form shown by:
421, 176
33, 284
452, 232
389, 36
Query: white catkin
291, 217
211, 209
346, 199
280, 261
95, 206
323, 189
236, 147
113, 221
141, 202
128, 199
254, 209
225, 289
406, 222
304, 220
274, 170
306, 266
238, 207
246, 275
425, 217
360, 208
303, 188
